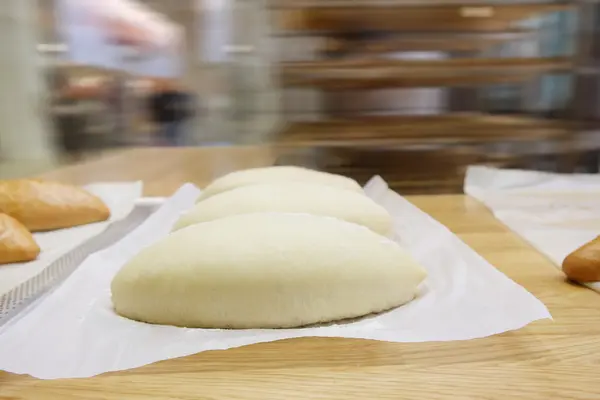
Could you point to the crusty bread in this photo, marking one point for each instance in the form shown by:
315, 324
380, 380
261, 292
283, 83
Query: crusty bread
16, 242
583, 265
45, 205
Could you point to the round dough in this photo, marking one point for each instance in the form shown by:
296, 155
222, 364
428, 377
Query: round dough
295, 197
265, 270
277, 174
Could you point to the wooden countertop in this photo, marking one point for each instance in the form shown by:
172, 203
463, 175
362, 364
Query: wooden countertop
547, 359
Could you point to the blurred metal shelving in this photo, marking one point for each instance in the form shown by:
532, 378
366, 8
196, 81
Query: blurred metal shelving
345, 89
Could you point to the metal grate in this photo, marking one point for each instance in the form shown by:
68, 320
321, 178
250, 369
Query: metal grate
19, 298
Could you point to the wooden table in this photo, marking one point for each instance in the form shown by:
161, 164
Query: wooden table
547, 359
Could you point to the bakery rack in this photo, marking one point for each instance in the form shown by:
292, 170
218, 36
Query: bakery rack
416, 91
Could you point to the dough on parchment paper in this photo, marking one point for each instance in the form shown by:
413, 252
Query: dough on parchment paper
265, 270
295, 197
277, 174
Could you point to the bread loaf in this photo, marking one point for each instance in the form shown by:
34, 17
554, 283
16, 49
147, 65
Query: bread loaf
277, 174
16, 242
295, 197
265, 270
583, 265
45, 205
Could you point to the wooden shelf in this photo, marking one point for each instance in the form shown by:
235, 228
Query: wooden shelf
446, 43
479, 17
359, 35
494, 63
294, 4
380, 73
419, 130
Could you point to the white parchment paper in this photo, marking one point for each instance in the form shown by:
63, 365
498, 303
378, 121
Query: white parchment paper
75, 333
120, 199
555, 213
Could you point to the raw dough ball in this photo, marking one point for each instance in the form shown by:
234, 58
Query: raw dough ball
266, 270
295, 197
277, 174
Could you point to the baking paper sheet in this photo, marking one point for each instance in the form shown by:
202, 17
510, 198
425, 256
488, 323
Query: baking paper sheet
555, 213
75, 333
119, 197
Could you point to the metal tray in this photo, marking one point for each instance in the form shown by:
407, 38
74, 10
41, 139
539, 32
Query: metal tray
16, 301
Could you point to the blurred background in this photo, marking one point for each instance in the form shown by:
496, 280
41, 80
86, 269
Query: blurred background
412, 90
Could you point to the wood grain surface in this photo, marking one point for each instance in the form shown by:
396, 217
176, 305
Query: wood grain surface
546, 360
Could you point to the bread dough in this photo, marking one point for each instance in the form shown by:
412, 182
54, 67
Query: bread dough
46, 205
265, 270
293, 197
16, 242
277, 174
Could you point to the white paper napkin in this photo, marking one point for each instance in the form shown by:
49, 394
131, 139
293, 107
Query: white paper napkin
555, 213
120, 199
74, 332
